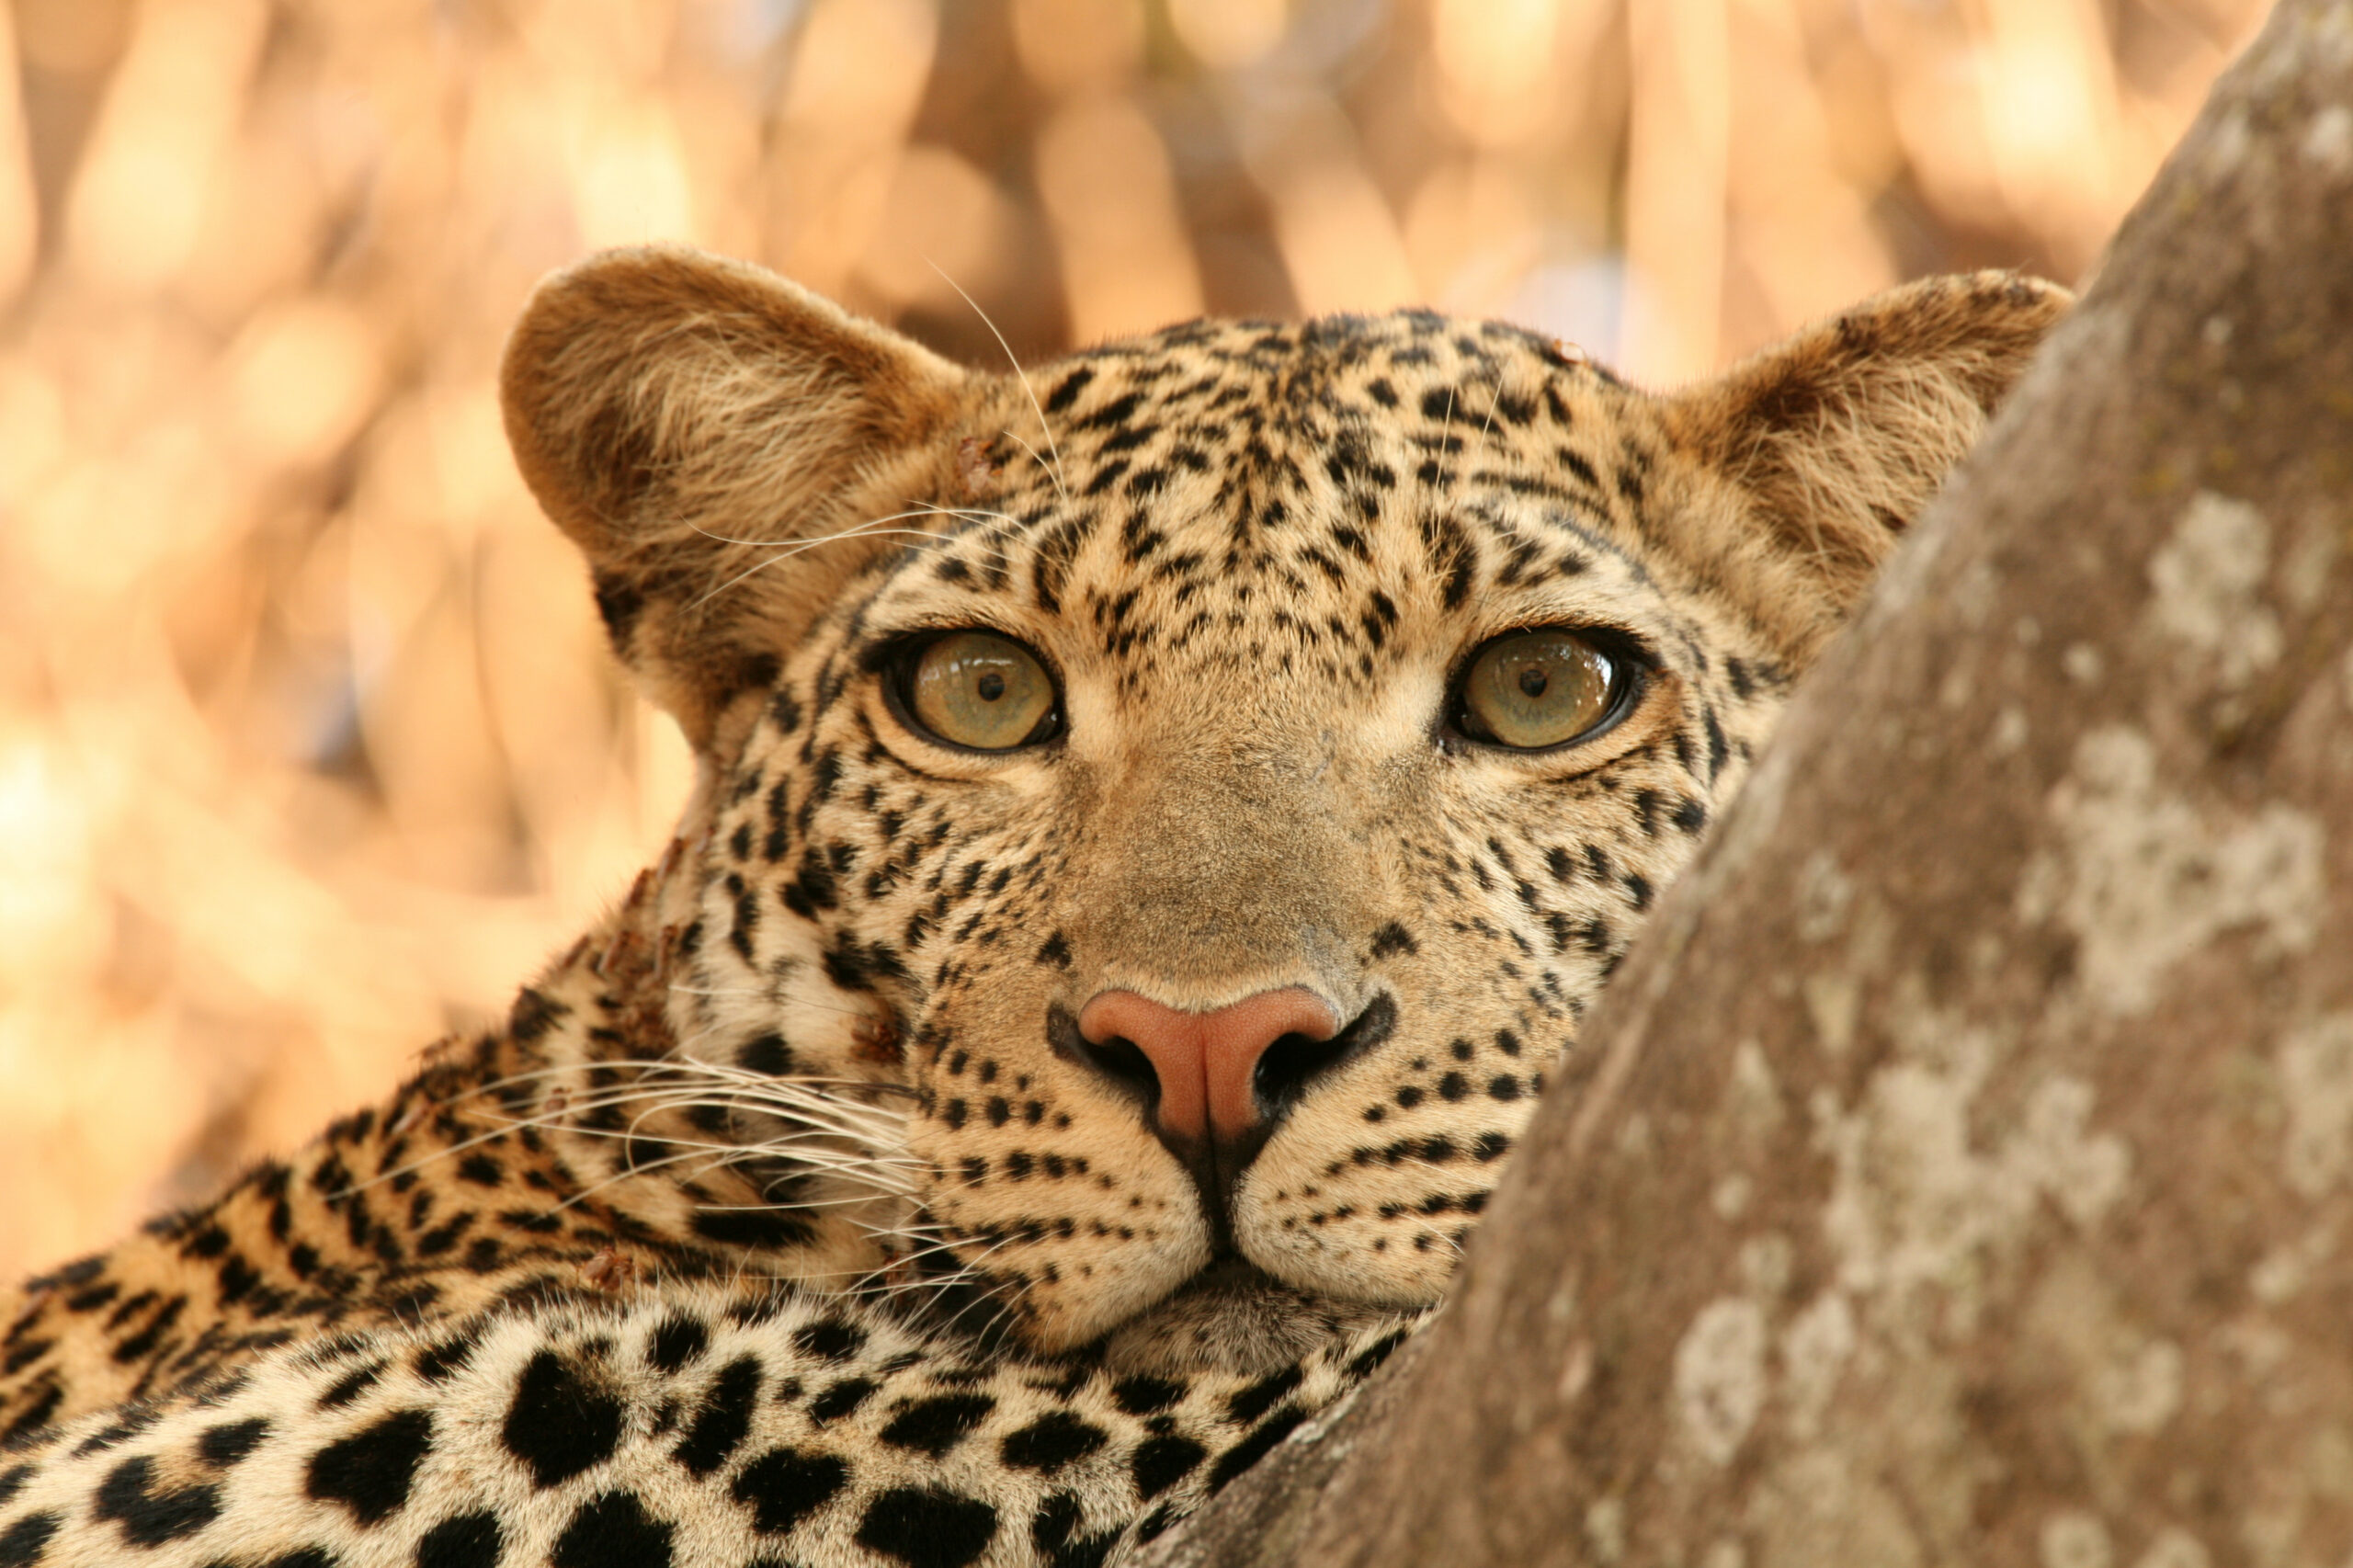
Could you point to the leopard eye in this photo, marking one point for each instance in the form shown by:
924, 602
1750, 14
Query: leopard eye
1534, 690
976, 689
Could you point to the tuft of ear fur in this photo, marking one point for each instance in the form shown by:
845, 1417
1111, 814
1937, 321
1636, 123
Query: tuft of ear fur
1835, 440
691, 422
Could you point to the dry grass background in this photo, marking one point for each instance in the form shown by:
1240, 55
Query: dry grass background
309, 747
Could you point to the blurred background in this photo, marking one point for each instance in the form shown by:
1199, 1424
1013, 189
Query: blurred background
309, 746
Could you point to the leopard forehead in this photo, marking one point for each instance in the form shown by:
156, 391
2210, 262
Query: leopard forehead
1252, 555
1228, 501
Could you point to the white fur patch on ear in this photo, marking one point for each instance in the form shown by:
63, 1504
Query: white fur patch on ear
1834, 440
700, 429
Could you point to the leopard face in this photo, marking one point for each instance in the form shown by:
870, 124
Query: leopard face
1256, 780
1199, 789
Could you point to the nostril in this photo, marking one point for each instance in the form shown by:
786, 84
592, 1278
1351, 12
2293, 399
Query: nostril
1295, 1061
1122, 1058
1117, 1057
1292, 1061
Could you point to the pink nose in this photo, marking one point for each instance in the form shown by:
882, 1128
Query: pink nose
1205, 1061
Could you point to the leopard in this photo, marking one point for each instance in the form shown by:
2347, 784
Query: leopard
1160, 816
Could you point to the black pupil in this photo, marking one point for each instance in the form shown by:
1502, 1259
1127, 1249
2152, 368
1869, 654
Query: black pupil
1532, 681
992, 686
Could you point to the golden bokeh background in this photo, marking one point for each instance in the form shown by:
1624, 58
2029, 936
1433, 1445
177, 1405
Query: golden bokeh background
309, 746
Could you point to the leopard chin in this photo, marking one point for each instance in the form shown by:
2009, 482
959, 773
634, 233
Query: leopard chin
1234, 1318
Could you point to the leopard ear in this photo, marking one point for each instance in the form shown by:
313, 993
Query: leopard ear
687, 421
1833, 441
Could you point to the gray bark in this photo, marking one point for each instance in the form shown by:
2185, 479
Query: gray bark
1962, 1168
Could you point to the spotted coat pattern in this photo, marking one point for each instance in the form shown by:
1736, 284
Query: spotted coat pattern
786, 1220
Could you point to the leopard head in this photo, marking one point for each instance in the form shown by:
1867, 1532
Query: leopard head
1197, 787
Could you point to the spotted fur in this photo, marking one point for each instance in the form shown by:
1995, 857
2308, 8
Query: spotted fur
787, 1219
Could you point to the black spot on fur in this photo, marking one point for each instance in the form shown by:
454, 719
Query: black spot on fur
1053, 1531
1115, 412
1050, 1442
370, 1471
436, 1362
151, 1518
1646, 804
35, 1416
830, 1339
1161, 1462
1394, 939
1063, 396
613, 1531
22, 1543
469, 1540
842, 1399
1576, 463
226, 1444
766, 1054
1254, 1446
1379, 1351
532, 1016
928, 1529
725, 1420
115, 1433
138, 1344
81, 1272
1155, 1523
813, 887
1143, 1396
678, 1341
784, 1486
785, 711
559, 1424
1718, 747
1260, 1397
935, 1426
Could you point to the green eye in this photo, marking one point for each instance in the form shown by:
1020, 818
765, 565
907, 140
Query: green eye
1538, 689
972, 688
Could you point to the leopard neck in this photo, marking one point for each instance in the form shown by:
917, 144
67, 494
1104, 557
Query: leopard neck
784, 1176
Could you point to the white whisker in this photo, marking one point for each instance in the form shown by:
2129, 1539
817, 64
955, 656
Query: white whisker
1022, 374
786, 551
